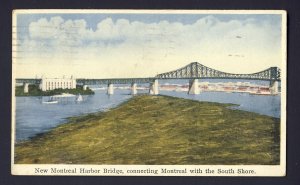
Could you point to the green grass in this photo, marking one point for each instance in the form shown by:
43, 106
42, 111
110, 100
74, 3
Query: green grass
158, 130
35, 91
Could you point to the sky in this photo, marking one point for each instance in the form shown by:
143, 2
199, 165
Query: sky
124, 45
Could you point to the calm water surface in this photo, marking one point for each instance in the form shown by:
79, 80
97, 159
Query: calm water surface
33, 117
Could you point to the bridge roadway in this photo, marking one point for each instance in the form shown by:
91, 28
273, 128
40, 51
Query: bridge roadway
87, 81
83, 81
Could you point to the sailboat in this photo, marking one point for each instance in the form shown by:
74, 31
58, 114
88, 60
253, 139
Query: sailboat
50, 101
79, 98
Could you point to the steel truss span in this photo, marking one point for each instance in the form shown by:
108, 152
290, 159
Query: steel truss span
198, 71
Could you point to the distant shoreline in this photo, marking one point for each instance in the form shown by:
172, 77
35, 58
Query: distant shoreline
35, 91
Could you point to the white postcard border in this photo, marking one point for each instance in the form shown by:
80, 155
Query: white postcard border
65, 170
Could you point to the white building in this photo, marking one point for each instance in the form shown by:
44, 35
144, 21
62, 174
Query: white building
57, 83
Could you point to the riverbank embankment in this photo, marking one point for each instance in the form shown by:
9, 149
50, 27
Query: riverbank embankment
158, 130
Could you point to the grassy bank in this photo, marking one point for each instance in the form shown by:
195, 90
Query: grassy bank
159, 130
35, 91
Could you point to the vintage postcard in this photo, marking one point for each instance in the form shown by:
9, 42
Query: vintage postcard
149, 92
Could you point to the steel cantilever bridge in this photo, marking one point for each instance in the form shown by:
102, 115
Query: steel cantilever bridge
192, 71
196, 70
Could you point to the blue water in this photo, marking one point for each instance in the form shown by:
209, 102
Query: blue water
34, 117
266, 105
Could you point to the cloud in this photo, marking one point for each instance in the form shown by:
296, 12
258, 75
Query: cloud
157, 47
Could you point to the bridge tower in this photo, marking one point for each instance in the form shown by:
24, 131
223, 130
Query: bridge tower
194, 87
275, 74
133, 88
110, 89
153, 89
274, 87
26, 89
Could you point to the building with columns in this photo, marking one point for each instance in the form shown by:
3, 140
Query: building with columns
57, 83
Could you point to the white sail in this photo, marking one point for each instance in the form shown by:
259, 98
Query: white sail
79, 98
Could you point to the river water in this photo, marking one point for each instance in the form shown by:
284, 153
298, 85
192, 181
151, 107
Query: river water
34, 117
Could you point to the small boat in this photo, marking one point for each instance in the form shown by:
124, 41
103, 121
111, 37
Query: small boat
50, 101
63, 95
79, 98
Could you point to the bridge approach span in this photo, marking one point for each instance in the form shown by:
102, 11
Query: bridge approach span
84, 81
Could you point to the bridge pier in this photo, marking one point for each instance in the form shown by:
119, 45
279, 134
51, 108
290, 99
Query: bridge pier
153, 89
110, 89
274, 87
84, 87
194, 87
26, 87
133, 88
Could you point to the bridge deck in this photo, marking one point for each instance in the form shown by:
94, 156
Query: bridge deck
83, 81
114, 81
192, 71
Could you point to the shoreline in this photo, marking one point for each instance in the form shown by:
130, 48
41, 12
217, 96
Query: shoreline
87, 125
84, 116
66, 120
34, 91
